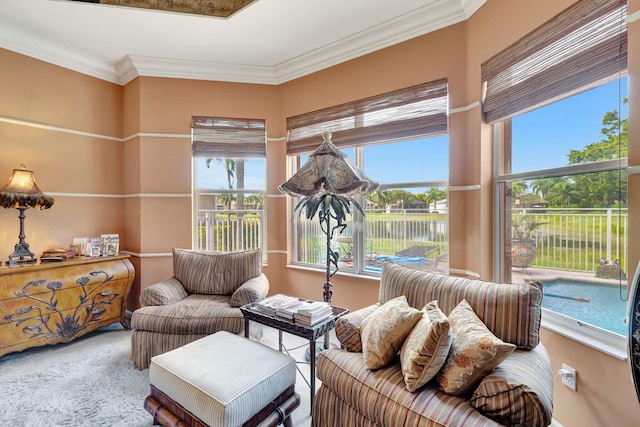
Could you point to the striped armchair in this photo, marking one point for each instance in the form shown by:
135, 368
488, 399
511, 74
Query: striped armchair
518, 392
202, 297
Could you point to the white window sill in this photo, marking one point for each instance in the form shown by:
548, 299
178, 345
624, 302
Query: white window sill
610, 343
314, 268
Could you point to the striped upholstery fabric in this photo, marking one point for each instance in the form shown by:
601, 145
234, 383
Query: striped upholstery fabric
210, 379
145, 345
519, 392
512, 312
195, 314
200, 299
348, 328
214, 273
163, 293
381, 398
250, 291
335, 412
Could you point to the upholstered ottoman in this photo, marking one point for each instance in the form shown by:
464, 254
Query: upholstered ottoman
222, 380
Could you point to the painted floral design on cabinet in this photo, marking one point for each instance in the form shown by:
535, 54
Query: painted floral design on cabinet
49, 320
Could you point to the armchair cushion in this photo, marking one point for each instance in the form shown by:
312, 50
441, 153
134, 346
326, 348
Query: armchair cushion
211, 273
163, 293
475, 351
195, 314
519, 391
348, 328
250, 291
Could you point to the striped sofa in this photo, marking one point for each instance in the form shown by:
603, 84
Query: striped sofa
518, 392
202, 297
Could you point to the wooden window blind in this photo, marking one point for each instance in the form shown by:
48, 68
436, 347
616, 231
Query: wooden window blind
415, 112
580, 48
228, 138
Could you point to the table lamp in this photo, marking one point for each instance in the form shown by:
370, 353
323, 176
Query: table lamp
22, 192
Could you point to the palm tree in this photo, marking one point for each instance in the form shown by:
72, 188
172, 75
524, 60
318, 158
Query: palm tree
433, 195
379, 198
562, 193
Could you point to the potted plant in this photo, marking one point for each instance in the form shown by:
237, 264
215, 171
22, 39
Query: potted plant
523, 243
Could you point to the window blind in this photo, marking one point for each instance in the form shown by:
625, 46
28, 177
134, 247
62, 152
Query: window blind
578, 49
414, 112
228, 138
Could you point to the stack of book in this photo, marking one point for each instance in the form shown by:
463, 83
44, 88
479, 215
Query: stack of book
312, 312
287, 311
270, 304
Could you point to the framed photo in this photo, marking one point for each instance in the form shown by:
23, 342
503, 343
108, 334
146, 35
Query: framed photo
110, 244
76, 248
93, 247
82, 242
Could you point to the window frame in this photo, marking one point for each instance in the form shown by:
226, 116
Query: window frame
357, 220
228, 138
600, 339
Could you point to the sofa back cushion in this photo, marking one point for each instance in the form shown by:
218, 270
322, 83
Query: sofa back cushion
214, 273
512, 312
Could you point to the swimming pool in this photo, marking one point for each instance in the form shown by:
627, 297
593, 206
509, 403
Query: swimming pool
598, 304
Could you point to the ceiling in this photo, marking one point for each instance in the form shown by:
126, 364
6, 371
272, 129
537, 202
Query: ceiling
268, 41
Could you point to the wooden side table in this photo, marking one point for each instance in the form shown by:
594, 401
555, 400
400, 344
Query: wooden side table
312, 333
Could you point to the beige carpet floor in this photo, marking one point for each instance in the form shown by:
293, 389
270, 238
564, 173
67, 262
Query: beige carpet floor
92, 382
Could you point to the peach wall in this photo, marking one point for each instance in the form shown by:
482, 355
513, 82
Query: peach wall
83, 171
138, 184
604, 393
160, 142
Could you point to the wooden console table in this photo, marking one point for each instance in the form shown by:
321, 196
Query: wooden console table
48, 303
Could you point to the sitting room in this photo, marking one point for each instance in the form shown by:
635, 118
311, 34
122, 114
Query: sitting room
499, 143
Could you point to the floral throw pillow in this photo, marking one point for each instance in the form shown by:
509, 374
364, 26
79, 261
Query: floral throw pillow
384, 331
426, 348
475, 351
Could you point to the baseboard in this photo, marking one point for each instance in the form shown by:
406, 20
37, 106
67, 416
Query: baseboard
555, 423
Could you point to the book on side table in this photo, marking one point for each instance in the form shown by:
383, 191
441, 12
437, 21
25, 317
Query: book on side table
313, 312
270, 304
298, 310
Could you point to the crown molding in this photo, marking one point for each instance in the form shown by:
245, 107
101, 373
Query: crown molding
471, 6
133, 66
43, 50
429, 18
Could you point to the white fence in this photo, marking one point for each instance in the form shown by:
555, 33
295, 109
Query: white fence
577, 239
569, 239
230, 230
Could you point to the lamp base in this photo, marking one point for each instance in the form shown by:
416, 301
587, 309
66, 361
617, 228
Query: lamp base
21, 252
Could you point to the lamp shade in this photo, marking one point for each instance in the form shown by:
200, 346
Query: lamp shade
22, 192
328, 171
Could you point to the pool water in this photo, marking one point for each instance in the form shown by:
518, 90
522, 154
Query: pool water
605, 307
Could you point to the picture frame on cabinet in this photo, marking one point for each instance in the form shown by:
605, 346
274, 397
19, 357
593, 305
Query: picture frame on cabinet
110, 244
93, 247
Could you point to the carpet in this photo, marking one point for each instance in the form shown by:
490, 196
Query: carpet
93, 382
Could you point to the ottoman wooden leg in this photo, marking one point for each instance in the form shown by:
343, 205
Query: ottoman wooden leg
161, 415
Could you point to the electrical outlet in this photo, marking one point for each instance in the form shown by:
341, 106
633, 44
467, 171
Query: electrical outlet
568, 375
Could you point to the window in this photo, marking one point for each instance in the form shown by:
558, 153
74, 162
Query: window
398, 139
229, 183
557, 98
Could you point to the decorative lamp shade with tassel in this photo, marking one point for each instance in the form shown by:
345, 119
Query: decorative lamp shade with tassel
22, 192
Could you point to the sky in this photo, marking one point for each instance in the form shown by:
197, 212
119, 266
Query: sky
541, 139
